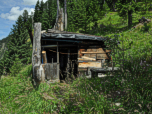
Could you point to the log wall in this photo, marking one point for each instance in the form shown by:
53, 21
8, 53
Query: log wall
91, 58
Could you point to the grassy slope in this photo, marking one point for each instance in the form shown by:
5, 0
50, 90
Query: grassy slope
18, 95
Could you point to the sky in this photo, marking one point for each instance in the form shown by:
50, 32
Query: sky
10, 11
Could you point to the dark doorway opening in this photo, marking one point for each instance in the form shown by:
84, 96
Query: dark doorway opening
64, 63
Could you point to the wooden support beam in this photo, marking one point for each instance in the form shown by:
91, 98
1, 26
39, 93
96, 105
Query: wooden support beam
36, 55
93, 52
58, 64
44, 57
68, 64
63, 45
77, 62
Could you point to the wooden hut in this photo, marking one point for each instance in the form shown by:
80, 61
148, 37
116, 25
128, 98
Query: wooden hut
58, 54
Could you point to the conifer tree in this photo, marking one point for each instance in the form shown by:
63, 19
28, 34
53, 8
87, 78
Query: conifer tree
28, 24
93, 10
25, 16
52, 12
111, 4
37, 12
17, 45
45, 21
81, 13
41, 6
127, 8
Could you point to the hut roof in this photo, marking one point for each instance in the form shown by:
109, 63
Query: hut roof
55, 34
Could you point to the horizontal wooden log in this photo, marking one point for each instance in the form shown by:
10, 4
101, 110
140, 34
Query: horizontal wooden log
81, 61
43, 31
90, 64
94, 52
63, 45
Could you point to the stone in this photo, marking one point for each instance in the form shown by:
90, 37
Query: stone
143, 20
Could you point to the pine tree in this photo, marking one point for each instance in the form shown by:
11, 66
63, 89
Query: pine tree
37, 12
41, 6
111, 4
81, 13
93, 11
52, 12
28, 24
127, 8
17, 44
25, 16
45, 21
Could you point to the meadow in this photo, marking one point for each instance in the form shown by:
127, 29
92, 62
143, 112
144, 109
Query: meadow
131, 90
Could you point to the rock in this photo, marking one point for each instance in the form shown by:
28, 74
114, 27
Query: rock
143, 19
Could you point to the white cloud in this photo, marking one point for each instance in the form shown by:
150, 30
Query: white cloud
15, 12
31, 2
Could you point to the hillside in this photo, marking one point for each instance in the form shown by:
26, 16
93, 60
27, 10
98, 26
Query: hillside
94, 95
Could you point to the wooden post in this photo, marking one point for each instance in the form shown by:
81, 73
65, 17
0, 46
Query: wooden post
58, 64
44, 57
57, 12
65, 13
103, 63
61, 23
68, 66
77, 62
36, 56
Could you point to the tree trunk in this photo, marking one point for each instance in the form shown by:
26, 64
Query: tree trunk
113, 6
65, 14
57, 12
129, 18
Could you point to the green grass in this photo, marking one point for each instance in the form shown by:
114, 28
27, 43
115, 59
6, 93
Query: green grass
91, 96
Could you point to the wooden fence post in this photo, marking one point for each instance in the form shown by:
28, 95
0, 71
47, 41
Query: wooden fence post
36, 56
58, 63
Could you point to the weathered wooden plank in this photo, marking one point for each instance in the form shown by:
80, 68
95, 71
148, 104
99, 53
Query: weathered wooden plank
55, 72
36, 55
89, 50
93, 52
42, 73
58, 64
102, 56
68, 64
43, 31
63, 45
90, 64
82, 69
93, 55
81, 61
88, 58
48, 70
